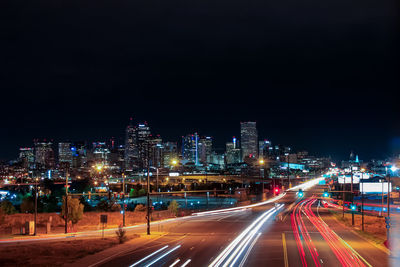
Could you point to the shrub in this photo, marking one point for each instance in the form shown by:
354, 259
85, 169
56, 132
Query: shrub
173, 207
142, 192
7, 207
133, 193
28, 205
75, 210
121, 234
140, 207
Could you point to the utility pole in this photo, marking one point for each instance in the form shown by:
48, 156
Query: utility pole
123, 199
352, 197
388, 207
148, 197
362, 200
288, 170
157, 180
66, 201
36, 196
382, 198
344, 183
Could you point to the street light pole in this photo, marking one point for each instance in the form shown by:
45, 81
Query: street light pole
261, 162
388, 206
123, 200
157, 180
288, 170
148, 198
362, 200
66, 202
352, 197
36, 196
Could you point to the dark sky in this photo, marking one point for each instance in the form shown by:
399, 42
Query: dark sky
317, 75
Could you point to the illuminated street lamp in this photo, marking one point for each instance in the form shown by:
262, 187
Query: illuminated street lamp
393, 169
174, 162
362, 198
261, 162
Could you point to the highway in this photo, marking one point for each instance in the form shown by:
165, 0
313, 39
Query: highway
287, 230
257, 236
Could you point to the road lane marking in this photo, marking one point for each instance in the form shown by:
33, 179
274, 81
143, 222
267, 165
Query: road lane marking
285, 255
163, 255
186, 263
148, 256
175, 262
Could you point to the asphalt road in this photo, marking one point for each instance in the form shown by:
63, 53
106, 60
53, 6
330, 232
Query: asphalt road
199, 241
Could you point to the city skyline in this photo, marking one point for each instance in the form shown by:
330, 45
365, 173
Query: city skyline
218, 143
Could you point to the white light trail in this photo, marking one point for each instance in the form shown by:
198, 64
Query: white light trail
237, 246
306, 185
148, 256
163, 255
248, 250
240, 208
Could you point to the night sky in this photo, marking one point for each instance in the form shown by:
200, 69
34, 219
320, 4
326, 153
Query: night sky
315, 75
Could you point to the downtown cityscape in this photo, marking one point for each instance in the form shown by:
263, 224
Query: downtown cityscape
116, 186
200, 133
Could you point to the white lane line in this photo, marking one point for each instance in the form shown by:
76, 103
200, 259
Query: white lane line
163, 255
186, 263
148, 256
175, 262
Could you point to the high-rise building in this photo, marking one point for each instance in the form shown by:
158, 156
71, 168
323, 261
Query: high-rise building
264, 149
65, 153
205, 149
156, 151
143, 144
101, 153
131, 147
217, 161
79, 154
190, 152
170, 153
27, 157
249, 139
232, 152
44, 155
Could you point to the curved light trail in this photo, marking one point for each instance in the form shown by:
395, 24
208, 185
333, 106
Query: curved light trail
345, 254
231, 254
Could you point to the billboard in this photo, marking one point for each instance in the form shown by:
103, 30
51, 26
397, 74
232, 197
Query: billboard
375, 187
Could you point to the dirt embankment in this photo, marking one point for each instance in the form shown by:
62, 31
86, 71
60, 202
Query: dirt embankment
90, 221
374, 227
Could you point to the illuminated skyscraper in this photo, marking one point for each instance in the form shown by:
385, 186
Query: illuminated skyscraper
27, 157
143, 144
170, 152
156, 150
264, 149
232, 152
131, 148
190, 152
65, 153
205, 149
101, 153
249, 139
44, 155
